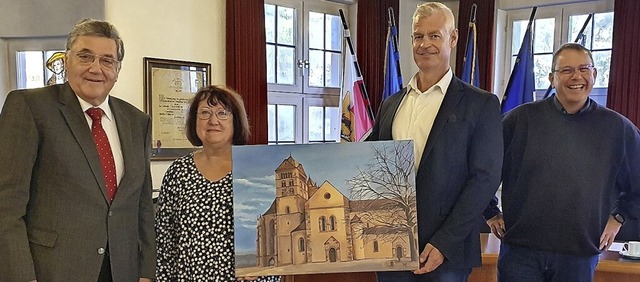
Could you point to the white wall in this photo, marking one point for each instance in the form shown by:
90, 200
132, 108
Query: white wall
188, 30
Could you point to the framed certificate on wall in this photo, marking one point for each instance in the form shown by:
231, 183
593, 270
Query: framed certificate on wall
169, 86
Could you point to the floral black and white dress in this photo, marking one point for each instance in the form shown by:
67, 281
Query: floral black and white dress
194, 226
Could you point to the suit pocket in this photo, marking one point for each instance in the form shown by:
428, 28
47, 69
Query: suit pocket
43, 238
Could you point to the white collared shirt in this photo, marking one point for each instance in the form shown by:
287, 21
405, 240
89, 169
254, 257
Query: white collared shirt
417, 112
109, 125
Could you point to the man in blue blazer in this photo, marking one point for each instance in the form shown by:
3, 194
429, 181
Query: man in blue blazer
59, 219
457, 134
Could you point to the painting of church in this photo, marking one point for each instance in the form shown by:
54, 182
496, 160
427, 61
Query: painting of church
310, 224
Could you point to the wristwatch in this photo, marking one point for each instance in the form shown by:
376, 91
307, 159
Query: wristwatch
619, 218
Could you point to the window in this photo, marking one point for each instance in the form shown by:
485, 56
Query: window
598, 39
287, 209
323, 223
555, 25
27, 60
322, 126
304, 69
282, 123
36, 68
375, 246
332, 223
272, 237
543, 47
301, 244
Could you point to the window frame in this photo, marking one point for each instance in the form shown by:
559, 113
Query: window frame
562, 13
297, 43
327, 101
42, 44
327, 8
276, 98
524, 14
301, 95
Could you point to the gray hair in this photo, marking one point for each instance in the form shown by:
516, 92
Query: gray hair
428, 9
98, 28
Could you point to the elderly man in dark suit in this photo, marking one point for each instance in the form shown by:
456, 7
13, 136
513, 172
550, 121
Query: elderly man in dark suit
458, 147
75, 182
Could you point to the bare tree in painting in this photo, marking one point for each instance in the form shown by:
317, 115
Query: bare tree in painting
385, 188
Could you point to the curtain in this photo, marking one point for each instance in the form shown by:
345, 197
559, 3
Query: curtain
246, 62
485, 40
624, 75
372, 24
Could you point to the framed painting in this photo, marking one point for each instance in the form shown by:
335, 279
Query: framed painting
324, 208
169, 85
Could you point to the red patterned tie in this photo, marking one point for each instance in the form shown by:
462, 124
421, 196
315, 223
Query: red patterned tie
104, 150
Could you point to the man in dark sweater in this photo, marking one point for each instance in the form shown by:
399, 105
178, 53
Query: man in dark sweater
571, 177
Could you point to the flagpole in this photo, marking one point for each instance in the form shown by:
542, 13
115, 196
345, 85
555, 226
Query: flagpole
584, 26
356, 66
532, 16
394, 39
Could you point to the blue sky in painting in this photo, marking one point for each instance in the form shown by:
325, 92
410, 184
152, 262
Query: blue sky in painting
254, 179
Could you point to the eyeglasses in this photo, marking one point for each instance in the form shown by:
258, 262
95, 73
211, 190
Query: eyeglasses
571, 70
86, 58
220, 114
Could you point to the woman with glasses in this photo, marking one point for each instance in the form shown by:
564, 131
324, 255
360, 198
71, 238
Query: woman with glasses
194, 222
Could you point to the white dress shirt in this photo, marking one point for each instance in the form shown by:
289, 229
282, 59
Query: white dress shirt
109, 125
417, 112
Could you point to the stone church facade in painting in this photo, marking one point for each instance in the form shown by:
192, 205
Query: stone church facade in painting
307, 223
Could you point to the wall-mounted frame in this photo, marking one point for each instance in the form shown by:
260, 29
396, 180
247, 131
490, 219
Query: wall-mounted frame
168, 87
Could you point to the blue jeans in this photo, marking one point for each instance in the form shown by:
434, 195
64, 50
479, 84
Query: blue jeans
519, 264
460, 275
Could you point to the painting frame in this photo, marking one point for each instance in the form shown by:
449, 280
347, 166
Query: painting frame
168, 87
294, 214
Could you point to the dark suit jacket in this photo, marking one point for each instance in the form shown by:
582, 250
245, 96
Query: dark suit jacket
54, 214
459, 171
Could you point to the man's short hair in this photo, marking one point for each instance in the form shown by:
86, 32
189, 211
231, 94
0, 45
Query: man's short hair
569, 46
228, 99
427, 9
98, 28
